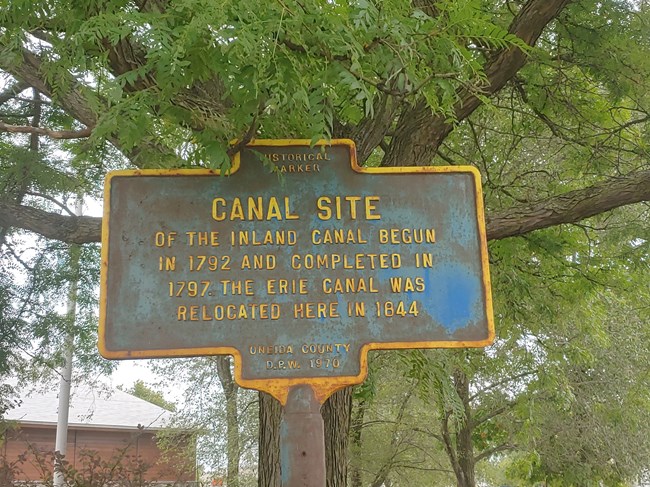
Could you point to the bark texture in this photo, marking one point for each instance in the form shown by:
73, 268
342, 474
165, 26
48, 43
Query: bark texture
233, 449
268, 474
570, 207
457, 437
337, 413
465, 475
70, 229
356, 430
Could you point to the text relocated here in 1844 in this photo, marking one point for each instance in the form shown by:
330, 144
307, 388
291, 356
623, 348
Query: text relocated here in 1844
297, 272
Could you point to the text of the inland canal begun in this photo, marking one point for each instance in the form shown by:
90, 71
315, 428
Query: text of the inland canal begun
272, 274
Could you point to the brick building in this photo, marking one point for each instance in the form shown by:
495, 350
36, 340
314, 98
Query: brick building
111, 436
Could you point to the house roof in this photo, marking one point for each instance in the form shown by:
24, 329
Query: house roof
91, 409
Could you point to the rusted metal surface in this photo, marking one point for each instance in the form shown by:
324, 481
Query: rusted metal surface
302, 440
297, 273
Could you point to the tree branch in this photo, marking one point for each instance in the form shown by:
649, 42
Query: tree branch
77, 229
569, 207
55, 134
370, 132
419, 133
203, 99
19, 184
499, 383
53, 200
448, 445
429, 433
492, 414
152, 6
491, 451
76, 99
73, 100
385, 469
12, 91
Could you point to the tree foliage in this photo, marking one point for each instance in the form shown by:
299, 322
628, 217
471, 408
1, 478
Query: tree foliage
548, 98
37, 274
206, 408
143, 391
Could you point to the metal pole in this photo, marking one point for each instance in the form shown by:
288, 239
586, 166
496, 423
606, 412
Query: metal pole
61, 439
302, 440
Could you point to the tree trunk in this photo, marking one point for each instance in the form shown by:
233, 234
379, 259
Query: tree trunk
268, 469
355, 434
233, 449
337, 412
464, 446
16, 191
458, 444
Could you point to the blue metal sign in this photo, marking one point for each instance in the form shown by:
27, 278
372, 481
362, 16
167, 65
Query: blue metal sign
298, 271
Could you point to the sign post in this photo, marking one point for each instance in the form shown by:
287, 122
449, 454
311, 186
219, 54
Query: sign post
302, 440
297, 271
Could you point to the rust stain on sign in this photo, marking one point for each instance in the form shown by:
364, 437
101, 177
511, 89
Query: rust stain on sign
296, 272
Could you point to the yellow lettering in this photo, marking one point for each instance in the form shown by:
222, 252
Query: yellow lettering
353, 205
237, 210
274, 209
217, 214
181, 313
316, 310
325, 212
370, 208
287, 210
194, 312
255, 208
341, 206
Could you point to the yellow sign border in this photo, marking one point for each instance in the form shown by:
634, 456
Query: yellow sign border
279, 387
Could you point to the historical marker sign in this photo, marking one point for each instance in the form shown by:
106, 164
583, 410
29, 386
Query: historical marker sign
296, 273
